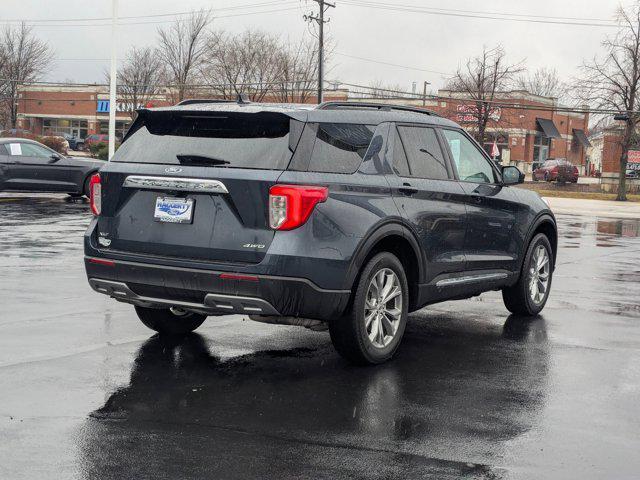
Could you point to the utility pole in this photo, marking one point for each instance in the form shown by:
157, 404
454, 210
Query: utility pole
112, 82
323, 7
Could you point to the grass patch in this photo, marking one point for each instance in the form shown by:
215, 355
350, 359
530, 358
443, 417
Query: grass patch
586, 195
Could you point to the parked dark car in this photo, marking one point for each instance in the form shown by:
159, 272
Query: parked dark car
632, 173
29, 166
556, 170
350, 215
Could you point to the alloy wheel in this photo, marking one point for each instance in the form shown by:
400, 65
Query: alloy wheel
383, 308
539, 271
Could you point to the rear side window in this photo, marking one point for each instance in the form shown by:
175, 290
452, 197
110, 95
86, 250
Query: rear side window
217, 139
423, 153
340, 147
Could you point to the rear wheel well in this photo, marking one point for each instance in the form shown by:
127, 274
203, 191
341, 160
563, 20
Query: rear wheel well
548, 229
401, 248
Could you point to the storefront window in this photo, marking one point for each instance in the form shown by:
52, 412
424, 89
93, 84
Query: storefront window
541, 145
59, 126
121, 128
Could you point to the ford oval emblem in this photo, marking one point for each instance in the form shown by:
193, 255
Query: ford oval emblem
173, 170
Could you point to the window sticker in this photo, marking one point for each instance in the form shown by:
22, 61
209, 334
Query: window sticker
16, 148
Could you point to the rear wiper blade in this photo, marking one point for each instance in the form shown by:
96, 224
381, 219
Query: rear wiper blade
187, 159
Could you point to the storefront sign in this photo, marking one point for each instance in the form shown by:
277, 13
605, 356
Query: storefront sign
633, 160
469, 113
103, 106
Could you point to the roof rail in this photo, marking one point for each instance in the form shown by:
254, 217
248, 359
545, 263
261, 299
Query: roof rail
334, 105
242, 99
194, 101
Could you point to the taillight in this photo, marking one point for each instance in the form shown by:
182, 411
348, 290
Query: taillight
291, 205
554, 170
95, 191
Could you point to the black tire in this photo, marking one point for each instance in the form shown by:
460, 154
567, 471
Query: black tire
349, 334
518, 298
165, 322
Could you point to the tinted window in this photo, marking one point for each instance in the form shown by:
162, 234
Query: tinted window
472, 166
340, 147
4, 150
400, 163
423, 153
225, 140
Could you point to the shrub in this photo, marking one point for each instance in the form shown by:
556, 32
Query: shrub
54, 143
99, 150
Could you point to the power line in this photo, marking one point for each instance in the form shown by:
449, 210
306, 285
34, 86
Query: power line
416, 9
215, 17
390, 64
484, 12
153, 15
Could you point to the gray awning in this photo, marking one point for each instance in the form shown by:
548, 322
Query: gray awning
548, 128
581, 137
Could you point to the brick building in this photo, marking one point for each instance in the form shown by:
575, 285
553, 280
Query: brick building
523, 135
605, 155
79, 111
527, 128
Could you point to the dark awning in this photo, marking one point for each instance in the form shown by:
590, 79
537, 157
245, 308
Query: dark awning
548, 128
582, 138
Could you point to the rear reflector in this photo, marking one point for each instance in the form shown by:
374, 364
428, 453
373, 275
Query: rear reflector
95, 193
291, 205
102, 261
237, 276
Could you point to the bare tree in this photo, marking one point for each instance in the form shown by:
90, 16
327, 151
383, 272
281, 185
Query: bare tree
23, 58
139, 78
380, 90
249, 62
613, 82
543, 81
298, 72
480, 80
182, 49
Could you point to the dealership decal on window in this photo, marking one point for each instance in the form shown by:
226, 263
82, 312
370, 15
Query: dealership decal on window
16, 148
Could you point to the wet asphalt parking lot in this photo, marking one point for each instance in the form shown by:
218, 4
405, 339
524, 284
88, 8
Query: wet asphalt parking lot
87, 392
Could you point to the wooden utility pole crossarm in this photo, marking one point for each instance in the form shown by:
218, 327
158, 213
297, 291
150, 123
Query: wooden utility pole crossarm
323, 7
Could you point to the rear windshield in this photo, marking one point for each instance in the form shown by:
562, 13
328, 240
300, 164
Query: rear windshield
219, 140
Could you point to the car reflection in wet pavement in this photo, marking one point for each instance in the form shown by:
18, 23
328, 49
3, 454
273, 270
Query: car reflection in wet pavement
87, 392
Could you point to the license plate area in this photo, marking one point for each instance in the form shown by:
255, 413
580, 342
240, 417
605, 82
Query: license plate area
173, 210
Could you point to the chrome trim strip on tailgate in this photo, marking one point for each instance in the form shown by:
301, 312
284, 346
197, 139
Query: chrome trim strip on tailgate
175, 183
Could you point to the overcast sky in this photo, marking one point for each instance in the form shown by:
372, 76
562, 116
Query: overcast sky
422, 41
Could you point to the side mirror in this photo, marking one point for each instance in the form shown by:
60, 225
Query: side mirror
512, 175
54, 158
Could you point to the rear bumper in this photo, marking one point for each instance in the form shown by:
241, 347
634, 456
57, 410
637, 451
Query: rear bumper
210, 292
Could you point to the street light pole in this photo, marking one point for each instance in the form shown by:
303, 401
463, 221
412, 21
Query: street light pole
112, 82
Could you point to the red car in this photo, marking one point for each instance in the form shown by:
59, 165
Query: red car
95, 139
558, 170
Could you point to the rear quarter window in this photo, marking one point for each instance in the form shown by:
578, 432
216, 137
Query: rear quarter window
340, 147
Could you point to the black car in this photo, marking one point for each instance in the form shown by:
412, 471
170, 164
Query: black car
29, 166
350, 215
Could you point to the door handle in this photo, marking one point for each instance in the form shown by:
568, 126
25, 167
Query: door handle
407, 189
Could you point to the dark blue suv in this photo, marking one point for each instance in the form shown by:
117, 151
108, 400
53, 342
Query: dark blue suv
346, 215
